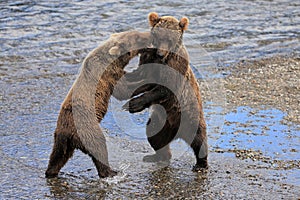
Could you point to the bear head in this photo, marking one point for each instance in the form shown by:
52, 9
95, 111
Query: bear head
129, 42
167, 33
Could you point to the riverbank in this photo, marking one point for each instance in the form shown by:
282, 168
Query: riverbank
272, 82
255, 155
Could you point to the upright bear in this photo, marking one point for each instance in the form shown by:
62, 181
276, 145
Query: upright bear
87, 102
164, 77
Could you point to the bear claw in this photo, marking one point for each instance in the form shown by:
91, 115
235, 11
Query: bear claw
199, 167
107, 173
134, 105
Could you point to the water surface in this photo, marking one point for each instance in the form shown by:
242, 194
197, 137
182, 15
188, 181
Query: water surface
42, 46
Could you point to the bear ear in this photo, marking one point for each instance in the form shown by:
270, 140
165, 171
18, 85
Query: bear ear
153, 18
184, 22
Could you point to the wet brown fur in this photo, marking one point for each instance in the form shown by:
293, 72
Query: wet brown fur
176, 57
88, 100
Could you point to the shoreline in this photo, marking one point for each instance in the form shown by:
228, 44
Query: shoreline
271, 82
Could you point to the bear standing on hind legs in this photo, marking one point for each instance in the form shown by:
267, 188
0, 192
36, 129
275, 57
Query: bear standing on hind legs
87, 102
177, 91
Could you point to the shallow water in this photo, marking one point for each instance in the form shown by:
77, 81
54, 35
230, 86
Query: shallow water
42, 46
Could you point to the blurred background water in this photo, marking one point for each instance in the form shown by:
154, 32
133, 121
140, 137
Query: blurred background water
43, 44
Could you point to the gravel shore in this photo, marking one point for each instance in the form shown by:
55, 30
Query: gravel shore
272, 82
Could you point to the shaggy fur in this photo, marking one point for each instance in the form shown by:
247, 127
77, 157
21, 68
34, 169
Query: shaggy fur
184, 106
87, 102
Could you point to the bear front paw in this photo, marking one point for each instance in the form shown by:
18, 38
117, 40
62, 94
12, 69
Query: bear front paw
134, 105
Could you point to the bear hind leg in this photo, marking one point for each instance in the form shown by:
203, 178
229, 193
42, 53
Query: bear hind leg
62, 151
158, 139
96, 148
200, 148
102, 169
161, 155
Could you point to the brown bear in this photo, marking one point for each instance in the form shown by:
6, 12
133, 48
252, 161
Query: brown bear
87, 102
156, 82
